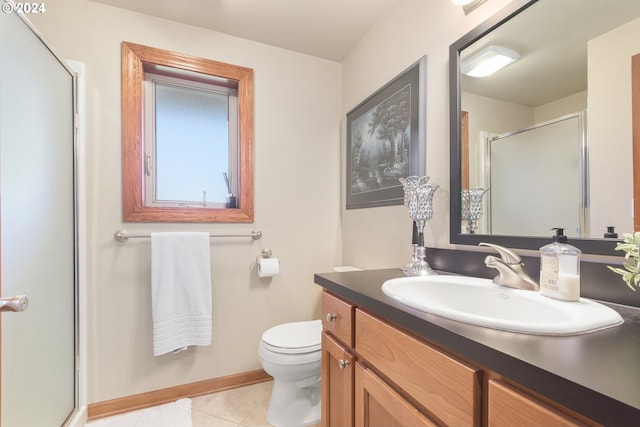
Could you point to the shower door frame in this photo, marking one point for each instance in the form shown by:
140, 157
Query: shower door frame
76, 416
581, 151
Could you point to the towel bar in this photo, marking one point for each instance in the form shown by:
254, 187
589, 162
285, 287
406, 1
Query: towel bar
122, 236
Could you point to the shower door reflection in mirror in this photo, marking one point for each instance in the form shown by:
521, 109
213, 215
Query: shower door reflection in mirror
537, 177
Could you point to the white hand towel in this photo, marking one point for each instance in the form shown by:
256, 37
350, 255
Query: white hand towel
180, 290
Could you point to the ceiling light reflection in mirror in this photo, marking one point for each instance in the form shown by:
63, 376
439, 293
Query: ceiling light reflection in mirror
488, 61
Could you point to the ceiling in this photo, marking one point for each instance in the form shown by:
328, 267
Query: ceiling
327, 29
330, 29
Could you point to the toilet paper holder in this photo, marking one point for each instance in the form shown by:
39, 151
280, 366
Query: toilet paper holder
266, 253
267, 265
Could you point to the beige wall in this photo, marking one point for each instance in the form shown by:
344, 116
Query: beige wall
610, 127
489, 115
381, 237
297, 116
561, 107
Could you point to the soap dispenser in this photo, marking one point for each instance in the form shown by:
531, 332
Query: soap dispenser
611, 233
560, 269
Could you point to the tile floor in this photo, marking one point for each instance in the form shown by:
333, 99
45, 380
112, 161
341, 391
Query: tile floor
240, 407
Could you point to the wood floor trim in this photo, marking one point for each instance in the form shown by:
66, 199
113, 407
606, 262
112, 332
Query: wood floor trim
170, 394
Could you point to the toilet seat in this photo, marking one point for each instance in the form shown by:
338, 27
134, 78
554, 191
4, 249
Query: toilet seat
294, 338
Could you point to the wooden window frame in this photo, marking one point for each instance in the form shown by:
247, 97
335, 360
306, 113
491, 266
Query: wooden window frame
134, 58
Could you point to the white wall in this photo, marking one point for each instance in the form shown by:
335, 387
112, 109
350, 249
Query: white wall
297, 133
570, 104
381, 237
610, 127
493, 116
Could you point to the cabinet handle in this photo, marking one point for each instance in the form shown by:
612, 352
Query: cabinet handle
330, 317
342, 363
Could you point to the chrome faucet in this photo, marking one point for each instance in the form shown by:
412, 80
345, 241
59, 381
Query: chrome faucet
510, 269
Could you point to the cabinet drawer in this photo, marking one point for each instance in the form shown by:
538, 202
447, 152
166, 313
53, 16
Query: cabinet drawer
337, 317
509, 407
447, 388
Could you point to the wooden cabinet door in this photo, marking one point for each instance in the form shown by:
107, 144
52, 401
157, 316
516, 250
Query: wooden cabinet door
509, 407
379, 405
337, 383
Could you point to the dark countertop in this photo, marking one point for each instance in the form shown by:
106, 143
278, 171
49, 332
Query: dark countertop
595, 374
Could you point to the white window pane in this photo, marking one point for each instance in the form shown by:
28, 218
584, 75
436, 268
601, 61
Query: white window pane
192, 144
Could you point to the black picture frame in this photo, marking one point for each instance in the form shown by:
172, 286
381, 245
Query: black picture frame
386, 139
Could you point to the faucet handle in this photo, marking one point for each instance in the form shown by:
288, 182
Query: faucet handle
507, 255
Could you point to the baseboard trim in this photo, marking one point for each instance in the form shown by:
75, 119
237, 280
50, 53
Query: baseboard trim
170, 394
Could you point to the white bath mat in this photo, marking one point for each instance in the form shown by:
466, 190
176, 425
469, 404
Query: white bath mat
174, 414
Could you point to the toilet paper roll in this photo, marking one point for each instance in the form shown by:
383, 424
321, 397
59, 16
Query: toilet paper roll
268, 267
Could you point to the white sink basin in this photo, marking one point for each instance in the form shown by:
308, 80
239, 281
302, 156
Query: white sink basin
483, 303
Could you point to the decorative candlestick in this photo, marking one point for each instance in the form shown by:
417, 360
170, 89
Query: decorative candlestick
418, 197
472, 207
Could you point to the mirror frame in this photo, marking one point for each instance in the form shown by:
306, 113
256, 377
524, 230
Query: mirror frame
587, 246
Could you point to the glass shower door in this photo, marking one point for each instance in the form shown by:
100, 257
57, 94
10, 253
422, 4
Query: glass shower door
37, 231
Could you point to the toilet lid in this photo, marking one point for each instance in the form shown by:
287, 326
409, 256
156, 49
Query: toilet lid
296, 337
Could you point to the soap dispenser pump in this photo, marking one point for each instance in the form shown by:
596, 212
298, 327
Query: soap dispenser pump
560, 269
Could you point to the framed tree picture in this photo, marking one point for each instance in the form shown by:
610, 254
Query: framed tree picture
386, 140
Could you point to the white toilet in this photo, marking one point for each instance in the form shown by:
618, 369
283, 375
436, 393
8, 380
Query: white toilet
291, 354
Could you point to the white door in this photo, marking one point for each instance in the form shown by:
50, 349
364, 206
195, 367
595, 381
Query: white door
37, 231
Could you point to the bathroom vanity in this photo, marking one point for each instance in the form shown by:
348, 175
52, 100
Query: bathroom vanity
386, 364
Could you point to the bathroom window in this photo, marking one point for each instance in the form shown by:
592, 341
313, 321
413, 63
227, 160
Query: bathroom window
190, 142
187, 138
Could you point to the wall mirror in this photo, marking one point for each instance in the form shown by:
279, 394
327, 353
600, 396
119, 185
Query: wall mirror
546, 141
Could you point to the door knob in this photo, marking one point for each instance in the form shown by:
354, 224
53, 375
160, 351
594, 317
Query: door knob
16, 303
343, 363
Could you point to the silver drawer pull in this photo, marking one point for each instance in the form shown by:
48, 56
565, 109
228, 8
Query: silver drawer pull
330, 317
342, 363
16, 303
